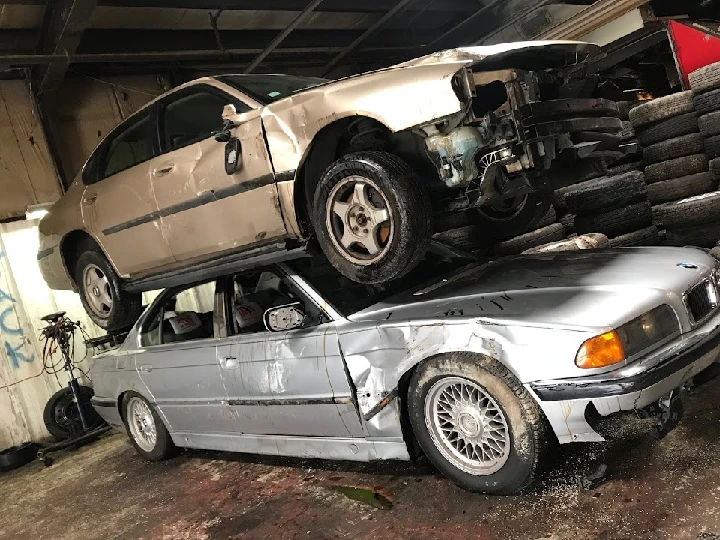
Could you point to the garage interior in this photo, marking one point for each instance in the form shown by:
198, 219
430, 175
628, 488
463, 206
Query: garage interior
72, 70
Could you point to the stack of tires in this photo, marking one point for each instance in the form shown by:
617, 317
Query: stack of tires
616, 206
632, 161
483, 239
677, 169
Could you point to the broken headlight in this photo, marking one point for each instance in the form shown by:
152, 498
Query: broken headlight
463, 85
647, 331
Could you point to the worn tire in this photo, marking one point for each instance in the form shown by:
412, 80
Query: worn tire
126, 307
715, 168
568, 223
676, 168
606, 192
628, 132
528, 430
662, 108
705, 236
409, 205
469, 238
61, 417
707, 102
678, 147
712, 146
616, 222
644, 237
696, 210
685, 124
495, 227
681, 188
710, 124
626, 167
546, 235
17, 456
164, 446
706, 78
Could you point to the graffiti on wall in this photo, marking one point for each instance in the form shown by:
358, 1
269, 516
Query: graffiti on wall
11, 333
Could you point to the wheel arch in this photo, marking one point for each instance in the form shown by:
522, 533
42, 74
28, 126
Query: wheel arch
71, 248
403, 387
329, 144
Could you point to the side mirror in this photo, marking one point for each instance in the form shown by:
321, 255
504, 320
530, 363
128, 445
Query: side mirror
284, 318
229, 111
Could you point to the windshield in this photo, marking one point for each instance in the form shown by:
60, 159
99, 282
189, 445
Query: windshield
267, 89
349, 297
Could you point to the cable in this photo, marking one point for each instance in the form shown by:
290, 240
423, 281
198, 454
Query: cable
120, 86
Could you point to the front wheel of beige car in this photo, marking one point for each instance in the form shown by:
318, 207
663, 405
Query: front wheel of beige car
477, 424
106, 303
146, 429
372, 217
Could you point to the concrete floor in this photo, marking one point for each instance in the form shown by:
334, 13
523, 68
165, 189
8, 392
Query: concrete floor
654, 489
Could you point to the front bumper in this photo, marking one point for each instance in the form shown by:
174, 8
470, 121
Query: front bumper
565, 401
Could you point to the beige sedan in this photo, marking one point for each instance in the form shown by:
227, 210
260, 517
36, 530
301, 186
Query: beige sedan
240, 170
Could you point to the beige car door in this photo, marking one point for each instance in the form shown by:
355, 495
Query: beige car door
118, 205
204, 211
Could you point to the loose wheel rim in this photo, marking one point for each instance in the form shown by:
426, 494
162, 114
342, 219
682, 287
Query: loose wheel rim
142, 424
97, 291
359, 220
467, 426
507, 209
65, 415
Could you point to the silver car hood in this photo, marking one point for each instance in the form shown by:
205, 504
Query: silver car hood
572, 290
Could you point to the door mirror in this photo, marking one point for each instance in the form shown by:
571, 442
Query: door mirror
284, 318
229, 111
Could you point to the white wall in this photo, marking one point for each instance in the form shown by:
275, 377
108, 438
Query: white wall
24, 299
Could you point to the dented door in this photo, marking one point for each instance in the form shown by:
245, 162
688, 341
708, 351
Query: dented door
203, 209
290, 383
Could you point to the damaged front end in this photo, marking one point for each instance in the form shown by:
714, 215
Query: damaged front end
522, 132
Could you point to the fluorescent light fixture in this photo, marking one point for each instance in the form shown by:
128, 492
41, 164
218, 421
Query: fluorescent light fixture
37, 211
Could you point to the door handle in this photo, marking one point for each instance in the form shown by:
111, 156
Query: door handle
229, 362
164, 170
90, 199
146, 368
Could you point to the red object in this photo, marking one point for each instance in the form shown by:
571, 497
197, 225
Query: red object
694, 49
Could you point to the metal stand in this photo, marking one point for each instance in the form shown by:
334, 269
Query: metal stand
44, 452
59, 334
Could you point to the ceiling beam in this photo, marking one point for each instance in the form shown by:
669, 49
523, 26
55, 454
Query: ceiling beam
63, 25
339, 6
366, 34
282, 35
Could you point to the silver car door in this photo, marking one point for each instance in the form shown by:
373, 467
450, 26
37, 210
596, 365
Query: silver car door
290, 383
183, 377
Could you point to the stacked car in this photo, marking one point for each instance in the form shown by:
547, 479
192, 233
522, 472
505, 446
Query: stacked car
677, 169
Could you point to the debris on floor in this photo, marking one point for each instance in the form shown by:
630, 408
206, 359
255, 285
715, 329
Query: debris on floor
593, 479
366, 496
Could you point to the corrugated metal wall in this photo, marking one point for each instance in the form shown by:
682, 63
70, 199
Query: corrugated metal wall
24, 299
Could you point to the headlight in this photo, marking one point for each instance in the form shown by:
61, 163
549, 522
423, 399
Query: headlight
463, 85
630, 339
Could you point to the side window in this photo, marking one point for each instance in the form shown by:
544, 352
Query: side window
129, 147
253, 293
187, 315
192, 117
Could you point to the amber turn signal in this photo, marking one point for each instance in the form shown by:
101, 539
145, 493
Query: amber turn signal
600, 351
